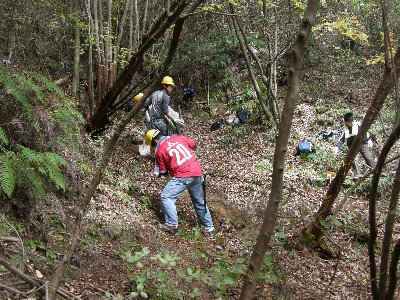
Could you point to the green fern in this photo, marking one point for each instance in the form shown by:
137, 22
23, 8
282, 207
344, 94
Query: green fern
3, 137
48, 164
18, 94
29, 166
48, 85
34, 179
8, 174
33, 89
52, 162
24, 167
28, 155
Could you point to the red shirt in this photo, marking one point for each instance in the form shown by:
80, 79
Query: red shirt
175, 155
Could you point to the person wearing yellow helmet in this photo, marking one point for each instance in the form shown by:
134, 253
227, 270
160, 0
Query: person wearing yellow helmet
138, 97
160, 113
174, 156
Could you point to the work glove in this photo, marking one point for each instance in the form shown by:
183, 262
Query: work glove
335, 150
179, 121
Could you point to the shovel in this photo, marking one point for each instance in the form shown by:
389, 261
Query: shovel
144, 149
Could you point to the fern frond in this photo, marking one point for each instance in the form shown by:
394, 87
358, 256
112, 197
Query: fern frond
28, 154
48, 164
8, 176
35, 180
20, 95
39, 92
49, 85
3, 137
55, 159
4, 76
52, 163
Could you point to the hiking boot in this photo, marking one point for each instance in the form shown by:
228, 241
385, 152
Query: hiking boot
209, 230
168, 228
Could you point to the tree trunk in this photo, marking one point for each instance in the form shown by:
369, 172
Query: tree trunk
77, 47
117, 44
393, 271
100, 61
379, 293
145, 14
137, 26
381, 94
388, 235
275, 197
260, 98
108, 69
131, 28
389, 62
90, 63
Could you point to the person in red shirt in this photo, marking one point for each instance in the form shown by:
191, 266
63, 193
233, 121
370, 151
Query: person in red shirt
174, 156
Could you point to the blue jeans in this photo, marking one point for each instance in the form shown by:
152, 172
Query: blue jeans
171, 192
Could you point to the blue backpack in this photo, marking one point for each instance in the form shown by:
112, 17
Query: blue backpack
305, 147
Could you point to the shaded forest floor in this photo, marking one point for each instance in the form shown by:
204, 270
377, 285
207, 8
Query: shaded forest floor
238, 164
121, 251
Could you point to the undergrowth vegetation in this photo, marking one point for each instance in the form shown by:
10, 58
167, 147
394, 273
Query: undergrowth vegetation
46, 121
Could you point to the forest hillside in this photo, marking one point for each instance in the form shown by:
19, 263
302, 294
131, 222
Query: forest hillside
79, 201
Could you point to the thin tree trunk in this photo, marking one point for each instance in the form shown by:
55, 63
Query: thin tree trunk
145, 15
100, 61
389, 58
372, 212
137, 26
260, 98
273, 84
388, 235
118, 42
284, 127
393, 271
90, 62
77, 46
131, 28
109, 51
384, 88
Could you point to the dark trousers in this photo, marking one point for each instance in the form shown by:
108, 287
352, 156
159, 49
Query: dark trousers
365, 152
166, 127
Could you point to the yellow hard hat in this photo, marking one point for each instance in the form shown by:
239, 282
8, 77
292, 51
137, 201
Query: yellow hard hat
168, 80
138, 97
148, 138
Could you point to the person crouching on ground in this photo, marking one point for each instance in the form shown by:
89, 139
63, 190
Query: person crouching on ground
160, 114
350, 130
174, 156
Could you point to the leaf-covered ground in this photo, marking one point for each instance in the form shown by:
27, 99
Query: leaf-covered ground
238, 164
121, 251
